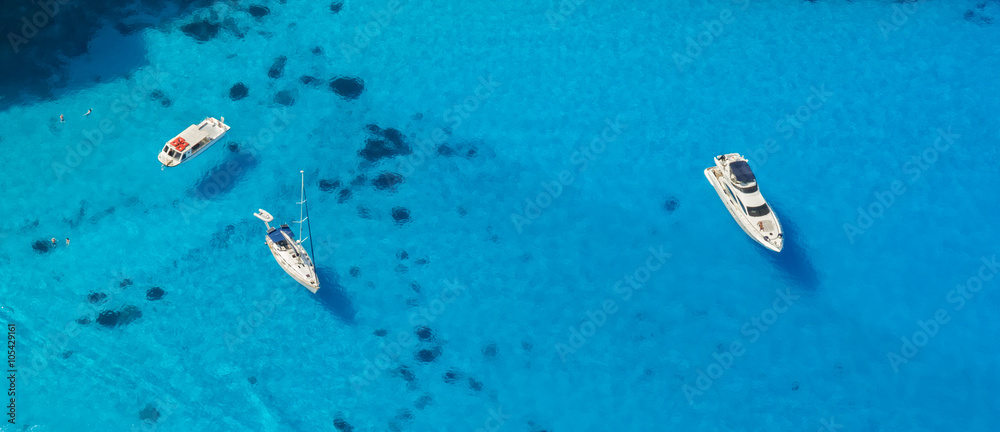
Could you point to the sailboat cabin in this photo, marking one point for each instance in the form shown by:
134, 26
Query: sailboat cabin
277, 236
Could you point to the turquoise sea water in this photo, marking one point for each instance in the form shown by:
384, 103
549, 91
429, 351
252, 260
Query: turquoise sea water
510, 221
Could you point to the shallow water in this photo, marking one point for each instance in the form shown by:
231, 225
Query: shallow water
545, 154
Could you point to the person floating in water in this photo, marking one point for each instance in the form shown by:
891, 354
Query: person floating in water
67, 241
88, 112
62, 119
53, 241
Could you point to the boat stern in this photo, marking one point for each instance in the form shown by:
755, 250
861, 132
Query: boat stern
216, 128
724, 159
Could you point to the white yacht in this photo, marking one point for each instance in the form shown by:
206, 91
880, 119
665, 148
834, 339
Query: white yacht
192, 141
289, 252
737, 187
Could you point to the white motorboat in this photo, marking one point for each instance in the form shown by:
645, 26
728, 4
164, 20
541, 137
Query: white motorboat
737, 187
289, 252
192, 141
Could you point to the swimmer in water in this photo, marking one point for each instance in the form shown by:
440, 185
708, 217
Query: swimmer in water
62, 119
88, 112
67, 241
53, 241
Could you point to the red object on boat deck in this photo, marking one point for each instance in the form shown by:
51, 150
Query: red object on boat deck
179, 143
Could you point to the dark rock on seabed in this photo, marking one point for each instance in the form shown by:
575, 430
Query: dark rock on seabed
384, 143
285, 97
113, 318
258, 11
342, 425
387, 181
202, 31
155, 293
309, 80
452, 376
277, 68
428, 355
238, 91
42, 246
347, 88
96, 297
344, 195
490, 350
149, 414
670, 204
327, 185
401, 215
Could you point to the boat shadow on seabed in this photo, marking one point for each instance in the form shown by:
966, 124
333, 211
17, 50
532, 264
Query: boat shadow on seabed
333, 297
793, 260
224, 176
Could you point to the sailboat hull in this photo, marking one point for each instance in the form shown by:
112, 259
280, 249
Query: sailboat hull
293, 258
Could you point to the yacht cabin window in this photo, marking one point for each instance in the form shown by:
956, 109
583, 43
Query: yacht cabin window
762, 210
739, 201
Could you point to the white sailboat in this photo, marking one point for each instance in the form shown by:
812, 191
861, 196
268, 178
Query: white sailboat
289, 252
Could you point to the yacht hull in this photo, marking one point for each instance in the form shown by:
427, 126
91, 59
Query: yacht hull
749, 224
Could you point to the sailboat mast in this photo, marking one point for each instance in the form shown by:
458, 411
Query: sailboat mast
302, 202
312, 253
